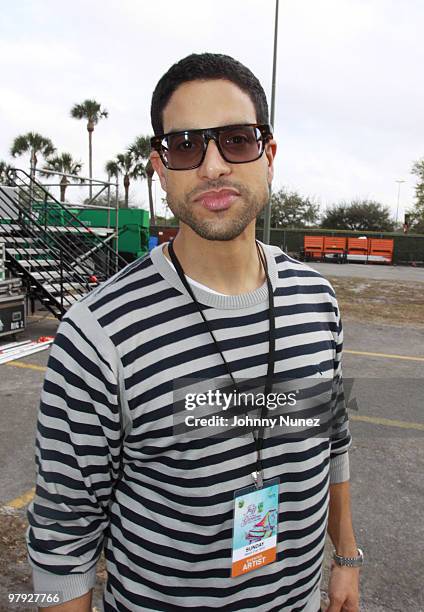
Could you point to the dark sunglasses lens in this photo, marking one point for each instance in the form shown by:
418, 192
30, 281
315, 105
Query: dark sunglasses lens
241, 144
183, 150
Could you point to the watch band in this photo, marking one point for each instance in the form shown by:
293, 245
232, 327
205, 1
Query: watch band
349, 561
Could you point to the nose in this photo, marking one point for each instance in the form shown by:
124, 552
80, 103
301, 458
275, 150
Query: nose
214, 165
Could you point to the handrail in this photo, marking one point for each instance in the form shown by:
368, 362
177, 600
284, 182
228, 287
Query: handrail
64, 243
56, 238
76, 176
16, 174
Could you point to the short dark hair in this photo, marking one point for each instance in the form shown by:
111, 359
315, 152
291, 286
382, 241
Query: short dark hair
205, 67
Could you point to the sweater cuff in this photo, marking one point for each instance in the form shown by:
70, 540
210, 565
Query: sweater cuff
339, 468
68, 586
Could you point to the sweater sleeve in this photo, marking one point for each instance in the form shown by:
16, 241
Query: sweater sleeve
77, 457
340, 435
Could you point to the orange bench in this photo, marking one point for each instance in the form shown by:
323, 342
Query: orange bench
357, 246
382, 247
335, 245
313, 246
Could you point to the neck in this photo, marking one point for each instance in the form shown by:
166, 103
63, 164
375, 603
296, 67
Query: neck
231, 267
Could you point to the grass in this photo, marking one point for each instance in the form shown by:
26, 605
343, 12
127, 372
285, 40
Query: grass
362, 299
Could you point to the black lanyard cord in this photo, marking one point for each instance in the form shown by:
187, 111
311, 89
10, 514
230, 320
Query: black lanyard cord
271, 359
186, 284
258, 439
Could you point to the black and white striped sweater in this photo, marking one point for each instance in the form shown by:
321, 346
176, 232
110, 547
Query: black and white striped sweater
167, 528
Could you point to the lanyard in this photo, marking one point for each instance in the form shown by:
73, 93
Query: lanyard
259, 438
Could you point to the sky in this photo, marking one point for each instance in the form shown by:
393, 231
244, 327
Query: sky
349, 87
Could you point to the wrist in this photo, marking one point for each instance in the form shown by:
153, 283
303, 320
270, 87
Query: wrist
346, 550
352, 560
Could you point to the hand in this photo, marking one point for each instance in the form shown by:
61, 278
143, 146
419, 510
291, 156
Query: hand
343, 589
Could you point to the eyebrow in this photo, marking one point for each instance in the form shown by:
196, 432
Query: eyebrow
177, 130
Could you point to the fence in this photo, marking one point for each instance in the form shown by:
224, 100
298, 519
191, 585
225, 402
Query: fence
408, 248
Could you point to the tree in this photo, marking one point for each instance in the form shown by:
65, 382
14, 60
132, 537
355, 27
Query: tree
418, 170
34, 144
141, 150
63, 163
92, 112
358, 215
5, 170
289, 209
104, 200
127, 165
416, 214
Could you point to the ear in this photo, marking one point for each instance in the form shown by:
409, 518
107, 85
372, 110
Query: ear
270, 151
159, 168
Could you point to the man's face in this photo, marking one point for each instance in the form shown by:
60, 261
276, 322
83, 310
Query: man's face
218, 200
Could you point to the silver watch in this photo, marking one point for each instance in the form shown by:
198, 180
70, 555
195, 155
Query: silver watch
349, 561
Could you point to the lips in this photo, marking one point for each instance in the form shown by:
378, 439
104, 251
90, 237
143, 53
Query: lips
218, 200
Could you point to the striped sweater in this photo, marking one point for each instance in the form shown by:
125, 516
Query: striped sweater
165, 523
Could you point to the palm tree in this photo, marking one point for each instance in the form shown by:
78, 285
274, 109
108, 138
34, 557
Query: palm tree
32, 143
127, 165
92, 111
62, 163
141, 150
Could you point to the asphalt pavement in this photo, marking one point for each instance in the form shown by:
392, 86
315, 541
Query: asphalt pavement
385, 394
370, 271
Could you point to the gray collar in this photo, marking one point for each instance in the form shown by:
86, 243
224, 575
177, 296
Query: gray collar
224, 302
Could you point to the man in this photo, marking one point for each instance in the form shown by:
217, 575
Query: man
213, 304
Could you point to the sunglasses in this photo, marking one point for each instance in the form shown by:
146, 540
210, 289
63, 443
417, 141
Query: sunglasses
237, 144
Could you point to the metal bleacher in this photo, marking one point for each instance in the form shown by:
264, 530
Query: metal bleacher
58, 263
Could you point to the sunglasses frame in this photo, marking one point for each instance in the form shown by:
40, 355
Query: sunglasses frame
212, 134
